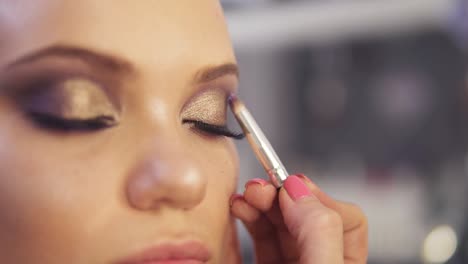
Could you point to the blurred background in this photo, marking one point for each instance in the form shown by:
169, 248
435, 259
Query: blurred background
369, 98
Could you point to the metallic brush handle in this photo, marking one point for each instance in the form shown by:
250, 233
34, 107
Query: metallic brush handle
262, 148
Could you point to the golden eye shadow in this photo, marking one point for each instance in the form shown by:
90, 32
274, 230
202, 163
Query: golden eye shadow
208, 106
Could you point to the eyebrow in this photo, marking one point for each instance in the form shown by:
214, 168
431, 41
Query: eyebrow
109, 62
115, 64
215, 72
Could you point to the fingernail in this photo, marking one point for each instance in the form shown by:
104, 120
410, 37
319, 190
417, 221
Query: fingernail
296, 188
303, 177
262, 182
234, 197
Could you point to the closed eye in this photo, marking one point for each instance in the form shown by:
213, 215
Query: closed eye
213, 129
59, 124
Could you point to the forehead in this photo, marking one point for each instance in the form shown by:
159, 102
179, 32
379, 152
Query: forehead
155, 32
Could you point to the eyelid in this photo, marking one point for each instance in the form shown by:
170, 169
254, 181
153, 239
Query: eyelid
71, 99
208, 105
22, 80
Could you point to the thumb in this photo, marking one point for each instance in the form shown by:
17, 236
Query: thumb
317, 229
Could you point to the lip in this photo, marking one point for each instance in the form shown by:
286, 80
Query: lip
191, 252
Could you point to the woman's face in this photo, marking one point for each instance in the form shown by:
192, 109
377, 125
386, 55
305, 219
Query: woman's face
109, 119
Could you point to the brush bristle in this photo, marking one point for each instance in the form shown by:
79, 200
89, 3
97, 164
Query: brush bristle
235, 103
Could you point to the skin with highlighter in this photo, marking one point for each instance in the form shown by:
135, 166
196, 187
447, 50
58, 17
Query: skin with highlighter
114, 146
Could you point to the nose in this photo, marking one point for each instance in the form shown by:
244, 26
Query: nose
166, 176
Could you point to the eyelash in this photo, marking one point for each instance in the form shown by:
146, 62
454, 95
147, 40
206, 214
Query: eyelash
52, 122
213, 129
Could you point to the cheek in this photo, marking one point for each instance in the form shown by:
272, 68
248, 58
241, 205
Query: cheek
221, 168
50, 203
223, 165
228, 168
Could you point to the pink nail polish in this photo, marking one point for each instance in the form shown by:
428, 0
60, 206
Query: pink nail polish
235, 197
262, 182
303, 177
296, 188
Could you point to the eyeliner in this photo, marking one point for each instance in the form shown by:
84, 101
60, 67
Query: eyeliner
214, 129
262, 148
